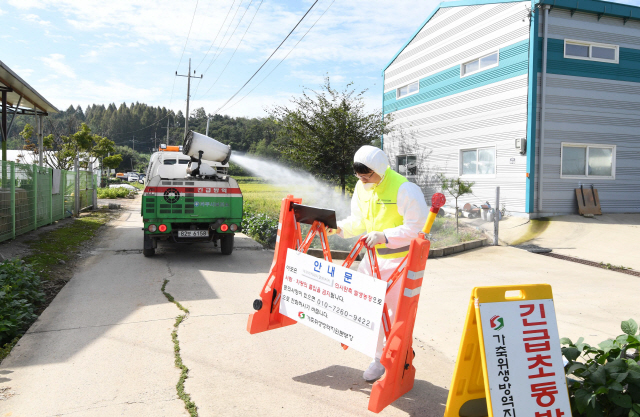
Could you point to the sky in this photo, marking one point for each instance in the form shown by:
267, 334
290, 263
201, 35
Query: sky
79, 52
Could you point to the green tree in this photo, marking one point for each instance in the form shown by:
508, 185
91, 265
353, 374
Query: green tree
61, 151
133, 161
325, 128
456, 188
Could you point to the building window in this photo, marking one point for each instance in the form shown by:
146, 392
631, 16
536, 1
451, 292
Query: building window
407, 165
593, 161
480, 64
480, 161
591, 51
407, 90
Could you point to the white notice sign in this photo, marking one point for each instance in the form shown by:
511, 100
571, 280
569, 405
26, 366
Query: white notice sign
524, 360
338, 302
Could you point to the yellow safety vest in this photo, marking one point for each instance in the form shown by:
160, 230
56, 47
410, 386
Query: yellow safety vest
379, 206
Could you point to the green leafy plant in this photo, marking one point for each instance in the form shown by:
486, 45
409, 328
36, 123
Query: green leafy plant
260, 227
20, 295
119, 192
456, 188
604, 381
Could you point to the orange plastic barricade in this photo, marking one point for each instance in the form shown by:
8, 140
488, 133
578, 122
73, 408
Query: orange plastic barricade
398, 354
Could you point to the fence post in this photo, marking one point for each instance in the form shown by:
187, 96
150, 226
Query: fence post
12, 192
496, 217
76, 191
63, 190
35, 196
50, 172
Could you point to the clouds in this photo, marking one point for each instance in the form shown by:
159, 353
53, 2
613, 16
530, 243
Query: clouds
34, 18
56, 64
128, 50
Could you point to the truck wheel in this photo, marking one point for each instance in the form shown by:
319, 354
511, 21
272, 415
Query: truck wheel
226, 244
148, 252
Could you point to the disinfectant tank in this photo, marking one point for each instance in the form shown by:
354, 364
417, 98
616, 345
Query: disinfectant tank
211, 149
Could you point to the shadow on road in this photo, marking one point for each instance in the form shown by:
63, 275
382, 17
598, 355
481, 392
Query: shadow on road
425, 399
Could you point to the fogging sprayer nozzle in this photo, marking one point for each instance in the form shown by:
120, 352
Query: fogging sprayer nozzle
211, 149
437, 201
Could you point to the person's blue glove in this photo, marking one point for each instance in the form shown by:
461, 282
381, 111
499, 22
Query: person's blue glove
374, 238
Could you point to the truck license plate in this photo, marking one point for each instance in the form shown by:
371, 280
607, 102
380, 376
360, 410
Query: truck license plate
193, 233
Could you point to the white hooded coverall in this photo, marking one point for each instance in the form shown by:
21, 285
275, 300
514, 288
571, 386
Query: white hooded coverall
411, 206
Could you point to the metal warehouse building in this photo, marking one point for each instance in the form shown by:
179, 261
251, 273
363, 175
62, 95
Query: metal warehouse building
538, 98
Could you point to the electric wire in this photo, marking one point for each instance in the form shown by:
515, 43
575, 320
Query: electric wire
188, 34
174, 80
235, 50
214, 39
218, 51
267, 60
285, 57
225, 45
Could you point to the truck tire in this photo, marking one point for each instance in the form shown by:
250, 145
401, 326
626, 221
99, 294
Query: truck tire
148, 252
226, 244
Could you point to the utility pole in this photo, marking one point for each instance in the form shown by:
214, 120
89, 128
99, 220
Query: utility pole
134, 142
155, 139
189, 77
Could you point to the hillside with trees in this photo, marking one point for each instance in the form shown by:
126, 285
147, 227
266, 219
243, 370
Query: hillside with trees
137, 129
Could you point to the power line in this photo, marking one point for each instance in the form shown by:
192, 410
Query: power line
235, 50
214, 39
285, 57
216, 54
188, 34
265, 62
174, 79
225, 45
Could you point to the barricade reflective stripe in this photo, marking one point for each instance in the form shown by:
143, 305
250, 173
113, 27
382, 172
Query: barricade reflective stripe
411, 293
415, 274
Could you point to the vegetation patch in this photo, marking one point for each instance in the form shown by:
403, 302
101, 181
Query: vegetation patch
20, 294
61, 244
604, 380
189, 405
27, 286
119, 192
444, 232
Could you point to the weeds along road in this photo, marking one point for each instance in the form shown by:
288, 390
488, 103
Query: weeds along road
104, 346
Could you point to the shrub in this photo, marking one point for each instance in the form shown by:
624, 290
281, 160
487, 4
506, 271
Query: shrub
260, 227
19, 296
119, 192
604, 381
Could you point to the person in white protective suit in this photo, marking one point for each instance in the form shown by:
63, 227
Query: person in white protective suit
391, 211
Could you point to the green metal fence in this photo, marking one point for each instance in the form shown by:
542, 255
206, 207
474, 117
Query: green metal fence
33, 196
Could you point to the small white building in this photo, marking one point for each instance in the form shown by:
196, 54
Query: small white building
484, 85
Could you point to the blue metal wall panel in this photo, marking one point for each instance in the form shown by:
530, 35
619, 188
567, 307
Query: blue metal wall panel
628, 68
513, 62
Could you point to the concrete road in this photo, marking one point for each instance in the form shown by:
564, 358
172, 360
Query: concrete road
104, 347
607, 238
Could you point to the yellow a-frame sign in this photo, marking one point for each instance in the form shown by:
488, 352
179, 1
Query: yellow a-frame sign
509, 359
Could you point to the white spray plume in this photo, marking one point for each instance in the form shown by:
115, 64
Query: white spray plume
299, 183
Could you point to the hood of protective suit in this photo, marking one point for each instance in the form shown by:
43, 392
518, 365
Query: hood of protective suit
373, 158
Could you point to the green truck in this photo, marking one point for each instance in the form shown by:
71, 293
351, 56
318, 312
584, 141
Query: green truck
189, 200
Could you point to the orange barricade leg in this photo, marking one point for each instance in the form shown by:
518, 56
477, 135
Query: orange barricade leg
267, 316
397, 356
